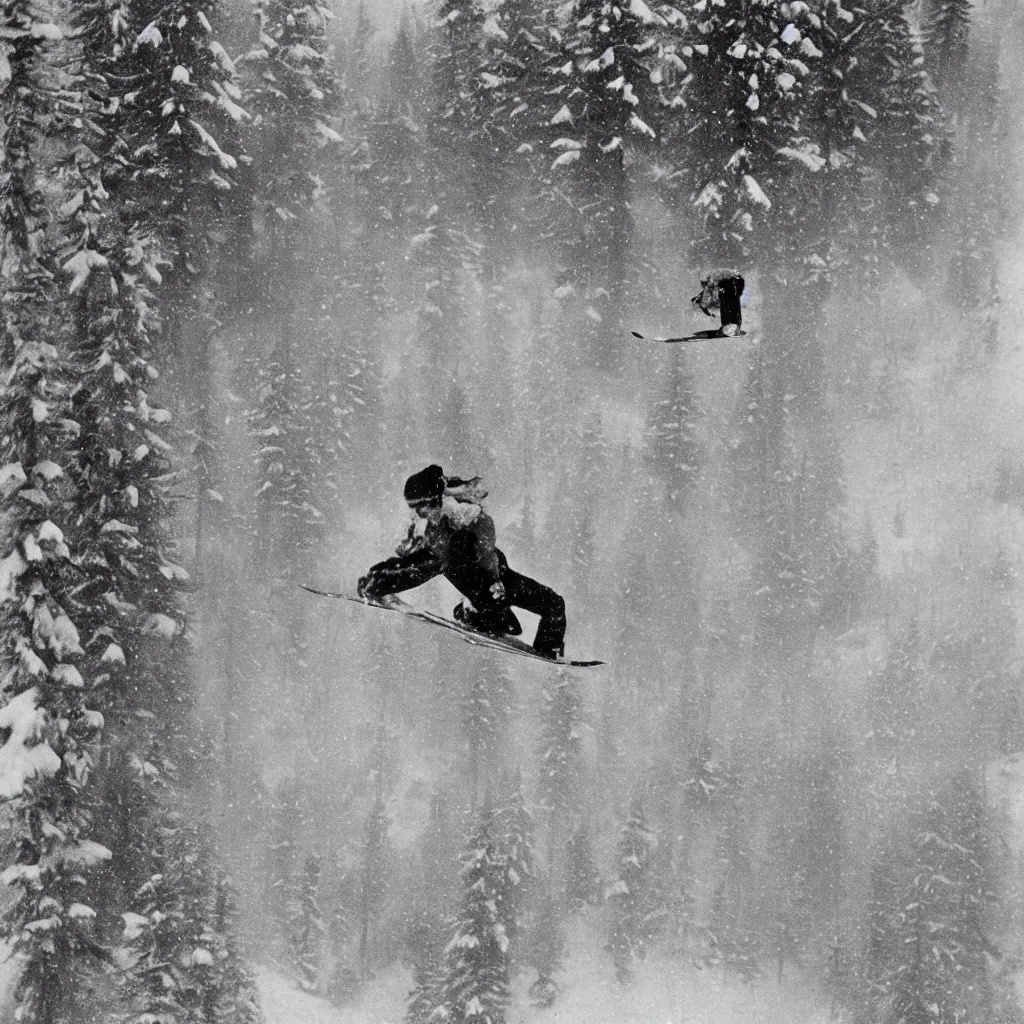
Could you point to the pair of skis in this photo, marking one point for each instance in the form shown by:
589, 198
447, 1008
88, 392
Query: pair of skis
696, 336
508, 644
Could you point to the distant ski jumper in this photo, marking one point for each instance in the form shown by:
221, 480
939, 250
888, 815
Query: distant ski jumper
720, 292
452, 536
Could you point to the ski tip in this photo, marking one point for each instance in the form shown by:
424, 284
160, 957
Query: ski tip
637, 334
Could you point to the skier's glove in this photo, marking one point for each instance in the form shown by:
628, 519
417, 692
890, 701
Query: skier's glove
498, 592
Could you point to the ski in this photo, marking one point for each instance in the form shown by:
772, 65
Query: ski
508, 644
697, 336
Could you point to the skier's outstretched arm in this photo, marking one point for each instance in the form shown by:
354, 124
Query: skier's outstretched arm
394, 575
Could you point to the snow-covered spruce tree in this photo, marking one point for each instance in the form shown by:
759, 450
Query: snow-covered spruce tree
546, 951
169, 119
608, 114
281, 859
931, 956
632, 896
237, 997
733, 943
459, 148
909, 135
427, 951
673, 446
184, 964
825, 216
744, 67
487, 710
128, 596
288, 466
445, 256
169, 116
582, 880
897, 692
375, 876
559, 751
291, 91
518, 48
514, 827
947, 25
50, 732
308, 929
475, 986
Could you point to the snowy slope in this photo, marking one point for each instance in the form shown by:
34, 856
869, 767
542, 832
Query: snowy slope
664, 991
283, 1002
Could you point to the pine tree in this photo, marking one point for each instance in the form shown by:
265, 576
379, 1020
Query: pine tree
673, 446
51, 733
238, 999
559, 753
633, 896
296, 455
514, 832
582, 880
291, 91
444, 255
898, 690
931, 954
375, 872
128, 591
947, 25
744, 70
428, 962
908, 139
403, 92
281, 866
459, 147
830, 217
733, 941
184, 966
487, 711
475, 987
602, 111
547, 948
170, 118
308, 929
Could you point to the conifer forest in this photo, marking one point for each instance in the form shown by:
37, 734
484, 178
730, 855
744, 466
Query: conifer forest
261, 261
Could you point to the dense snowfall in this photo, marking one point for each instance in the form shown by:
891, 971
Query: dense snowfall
261, 260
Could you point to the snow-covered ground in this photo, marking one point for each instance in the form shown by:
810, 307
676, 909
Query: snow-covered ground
284, 1002
663, 991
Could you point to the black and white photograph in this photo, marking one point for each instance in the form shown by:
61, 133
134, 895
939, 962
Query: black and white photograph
511, 512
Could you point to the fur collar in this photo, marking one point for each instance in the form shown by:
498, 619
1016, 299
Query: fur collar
459, 514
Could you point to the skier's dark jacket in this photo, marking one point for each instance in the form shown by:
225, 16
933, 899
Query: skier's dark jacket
460, 547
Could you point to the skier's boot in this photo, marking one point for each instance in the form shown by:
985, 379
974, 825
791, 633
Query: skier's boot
730, 330
554, 652
501, 622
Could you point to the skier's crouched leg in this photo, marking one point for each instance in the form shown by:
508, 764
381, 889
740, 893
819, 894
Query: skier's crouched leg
550, 639
534, 597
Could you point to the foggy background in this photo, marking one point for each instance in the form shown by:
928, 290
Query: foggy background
798, 551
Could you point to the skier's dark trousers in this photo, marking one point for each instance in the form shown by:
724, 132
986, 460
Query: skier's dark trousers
458, 543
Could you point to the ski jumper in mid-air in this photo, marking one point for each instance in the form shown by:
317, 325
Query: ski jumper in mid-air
452, 536
720, 292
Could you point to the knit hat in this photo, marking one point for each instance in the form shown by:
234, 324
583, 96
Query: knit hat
426, 484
